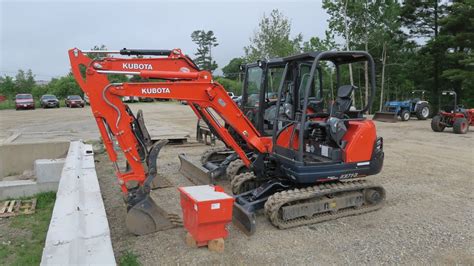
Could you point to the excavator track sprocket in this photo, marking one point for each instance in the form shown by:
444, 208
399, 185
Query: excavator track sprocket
304, 206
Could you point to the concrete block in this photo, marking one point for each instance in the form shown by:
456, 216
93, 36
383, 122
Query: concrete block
48, 170
15, 158
24, 188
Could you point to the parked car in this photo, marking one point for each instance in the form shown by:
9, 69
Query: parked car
49, 100
74, 101
24, 101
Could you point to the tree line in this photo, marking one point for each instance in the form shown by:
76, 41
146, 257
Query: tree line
417, 45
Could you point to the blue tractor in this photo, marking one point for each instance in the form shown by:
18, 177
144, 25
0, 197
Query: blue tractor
416, 106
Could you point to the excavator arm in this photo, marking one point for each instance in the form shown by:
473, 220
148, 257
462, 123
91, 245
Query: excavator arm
177, 77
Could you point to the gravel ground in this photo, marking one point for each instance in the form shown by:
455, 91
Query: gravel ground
428, 216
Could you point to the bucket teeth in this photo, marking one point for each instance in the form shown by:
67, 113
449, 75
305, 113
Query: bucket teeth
175, 219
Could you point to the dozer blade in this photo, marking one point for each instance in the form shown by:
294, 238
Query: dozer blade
195, 173
244, 219
146, 217
385, 117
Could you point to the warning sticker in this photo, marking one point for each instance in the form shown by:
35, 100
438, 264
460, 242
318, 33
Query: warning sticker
215, 206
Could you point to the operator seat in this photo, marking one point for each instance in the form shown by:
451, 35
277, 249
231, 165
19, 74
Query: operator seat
343, 101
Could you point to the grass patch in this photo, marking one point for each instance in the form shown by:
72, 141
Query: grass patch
7, 104
23, 238
128, 259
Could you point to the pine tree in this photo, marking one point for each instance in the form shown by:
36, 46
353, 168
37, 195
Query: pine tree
205, 41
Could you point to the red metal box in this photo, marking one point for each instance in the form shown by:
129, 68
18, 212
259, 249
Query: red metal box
206, 211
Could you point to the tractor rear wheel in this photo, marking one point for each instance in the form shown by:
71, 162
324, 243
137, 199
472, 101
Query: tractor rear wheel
460, 126
423, 111
405, 115
436, 124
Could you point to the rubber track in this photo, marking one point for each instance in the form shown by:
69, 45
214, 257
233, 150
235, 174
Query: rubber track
207, 154
238, 180
276, 201
234, 168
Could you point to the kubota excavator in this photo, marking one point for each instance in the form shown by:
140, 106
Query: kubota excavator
306, 171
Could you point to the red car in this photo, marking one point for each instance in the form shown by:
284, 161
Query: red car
24, 101
74, 101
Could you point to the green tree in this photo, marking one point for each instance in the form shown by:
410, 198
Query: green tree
422, 18
373, 26
456, 40
318, 44
205, 41
231, 85
272, 39
64, 86
7, 86
24, 81
232, 70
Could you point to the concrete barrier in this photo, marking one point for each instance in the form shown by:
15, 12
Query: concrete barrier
78, 232
15, 158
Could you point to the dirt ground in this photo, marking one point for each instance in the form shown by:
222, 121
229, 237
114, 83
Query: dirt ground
41, 125
428, 216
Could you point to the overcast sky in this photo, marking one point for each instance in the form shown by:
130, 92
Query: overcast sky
37, 34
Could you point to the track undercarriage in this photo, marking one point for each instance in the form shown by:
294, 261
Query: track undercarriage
309, 205
292, 207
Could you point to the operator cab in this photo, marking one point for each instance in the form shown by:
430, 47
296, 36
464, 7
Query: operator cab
319, 122
260, 92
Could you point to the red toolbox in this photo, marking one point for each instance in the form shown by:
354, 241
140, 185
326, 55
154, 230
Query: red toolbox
206, 211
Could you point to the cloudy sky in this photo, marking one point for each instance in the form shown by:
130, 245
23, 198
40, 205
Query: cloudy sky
37, 34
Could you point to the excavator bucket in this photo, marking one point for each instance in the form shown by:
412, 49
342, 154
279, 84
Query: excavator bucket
195, 173
244, 219
146, 217
386, 117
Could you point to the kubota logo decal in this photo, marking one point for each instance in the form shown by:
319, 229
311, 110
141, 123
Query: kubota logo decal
137, 66
155, 90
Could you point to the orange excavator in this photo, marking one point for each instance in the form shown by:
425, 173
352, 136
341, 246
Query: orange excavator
308, 169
